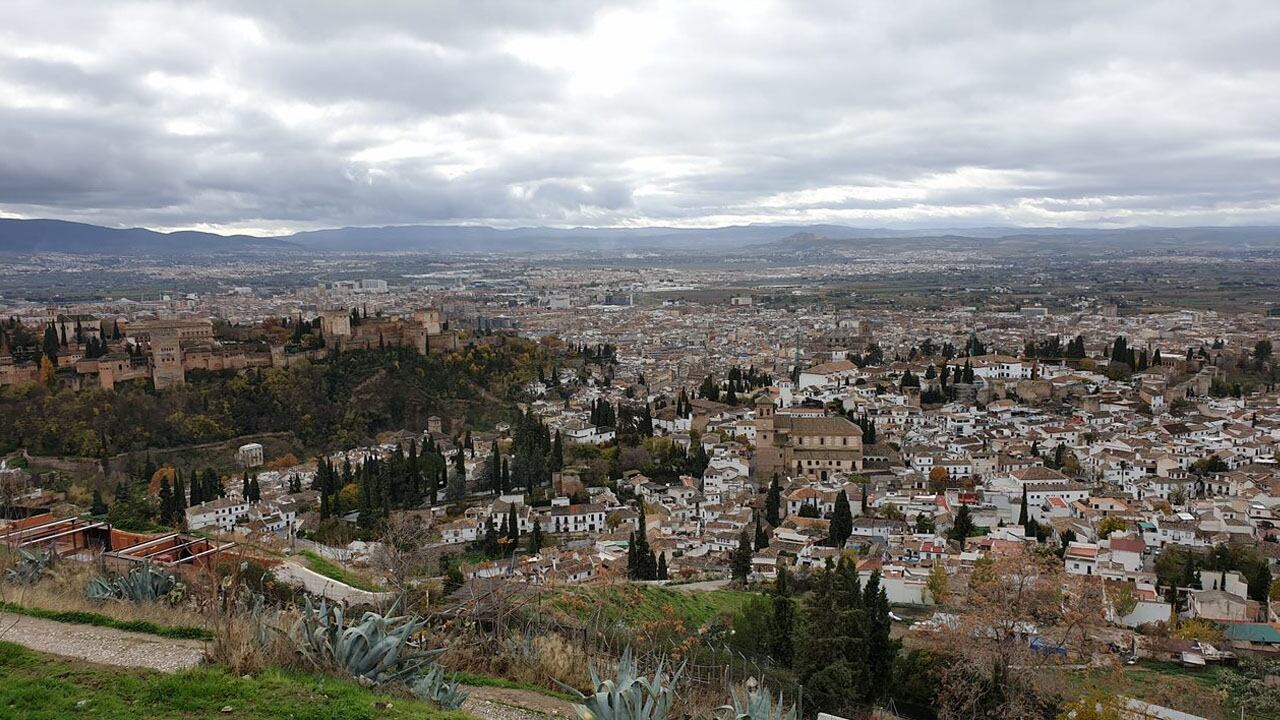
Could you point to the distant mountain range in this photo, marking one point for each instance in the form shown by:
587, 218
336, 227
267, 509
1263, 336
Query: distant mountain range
56, 236
30, 237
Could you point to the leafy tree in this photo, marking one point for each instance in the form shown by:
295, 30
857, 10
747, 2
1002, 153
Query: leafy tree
938, 583
1109, 525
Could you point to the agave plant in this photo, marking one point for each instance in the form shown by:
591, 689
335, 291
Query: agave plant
375, 650
522, 649
141, 584
31, 567
434, 688
756, 705
629, 696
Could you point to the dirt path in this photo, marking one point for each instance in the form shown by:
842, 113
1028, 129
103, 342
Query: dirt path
101, 645
109, 646
494, 703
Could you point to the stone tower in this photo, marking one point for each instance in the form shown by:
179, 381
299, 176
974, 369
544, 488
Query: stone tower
335, 324
166, 360
768, 457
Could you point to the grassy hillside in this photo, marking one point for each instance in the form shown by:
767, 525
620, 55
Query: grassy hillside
636, 605
41, 687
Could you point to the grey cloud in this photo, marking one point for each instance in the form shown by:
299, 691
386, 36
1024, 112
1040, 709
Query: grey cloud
305, 114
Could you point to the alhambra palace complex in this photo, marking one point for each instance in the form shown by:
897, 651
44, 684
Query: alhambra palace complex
165, 350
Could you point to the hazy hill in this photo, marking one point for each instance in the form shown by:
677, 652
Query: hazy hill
59, 236
46, 236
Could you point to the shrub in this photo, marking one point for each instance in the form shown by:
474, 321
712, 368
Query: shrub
31, 567
628, 696
375, 650
141, 584
433, 687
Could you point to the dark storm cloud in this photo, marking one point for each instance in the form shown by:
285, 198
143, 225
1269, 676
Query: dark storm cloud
283, 115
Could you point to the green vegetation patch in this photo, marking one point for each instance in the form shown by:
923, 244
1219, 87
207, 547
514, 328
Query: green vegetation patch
1169, 684
81, 617
322, 565
40, 687
472, 679
635, 605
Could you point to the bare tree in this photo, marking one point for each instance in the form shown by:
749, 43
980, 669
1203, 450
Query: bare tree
402, 555
1010, 598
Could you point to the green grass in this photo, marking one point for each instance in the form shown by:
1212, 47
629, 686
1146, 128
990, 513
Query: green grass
334, 571
42, 687
1170, 684
634, 604
467, 678
81, 617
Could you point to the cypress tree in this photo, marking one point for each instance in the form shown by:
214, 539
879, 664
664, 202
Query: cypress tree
742, 558
841, 521
557, 452
773, 502
513, 524
535, 538
98, 507
782, 621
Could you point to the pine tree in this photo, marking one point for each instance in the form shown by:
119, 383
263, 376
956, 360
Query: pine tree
662, 566
1022, 513
828, 656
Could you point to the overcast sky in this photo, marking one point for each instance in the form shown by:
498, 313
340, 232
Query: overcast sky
274, 116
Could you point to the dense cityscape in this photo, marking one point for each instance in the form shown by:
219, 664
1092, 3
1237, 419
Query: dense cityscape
639, 360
